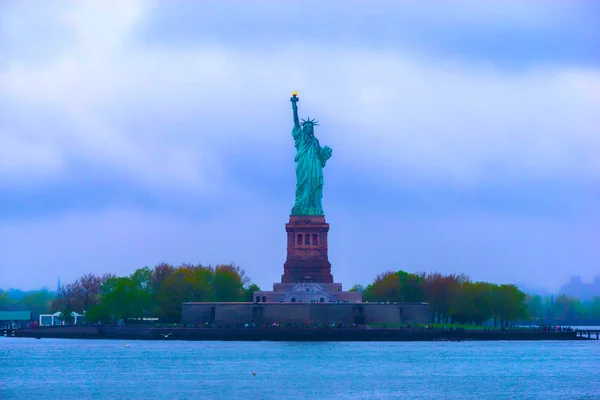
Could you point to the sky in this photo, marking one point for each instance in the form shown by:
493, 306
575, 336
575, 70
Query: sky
465, 136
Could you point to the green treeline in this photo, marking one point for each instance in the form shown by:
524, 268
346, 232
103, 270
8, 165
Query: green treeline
159, 292
456, 299
36, 301
563, 308
156, 292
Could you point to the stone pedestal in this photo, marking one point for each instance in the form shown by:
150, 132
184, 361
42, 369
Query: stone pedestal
307, 293
307, 271
307, 259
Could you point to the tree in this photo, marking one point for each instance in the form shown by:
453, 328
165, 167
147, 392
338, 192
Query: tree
237, 270
594, 308
142, 280
535, 307
249, 292
122, 298
474, 304
38, 302
6, 303
452, 298
386, 287
396, 286
154, 292
357, 288
566, 307
510, 304
549, 309
160, 274
444, 294
66, 299
412, 287
187, 284
87, 289
435, 292
228, 283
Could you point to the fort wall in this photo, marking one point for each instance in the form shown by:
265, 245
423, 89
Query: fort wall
305, 313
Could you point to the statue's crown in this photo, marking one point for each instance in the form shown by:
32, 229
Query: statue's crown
309, 121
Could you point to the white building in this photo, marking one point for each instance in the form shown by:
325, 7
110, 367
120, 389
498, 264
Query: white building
56, 319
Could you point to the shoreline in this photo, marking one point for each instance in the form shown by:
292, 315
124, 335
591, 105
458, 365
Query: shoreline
285, 334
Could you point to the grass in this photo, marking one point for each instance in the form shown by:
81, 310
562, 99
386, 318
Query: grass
440, 326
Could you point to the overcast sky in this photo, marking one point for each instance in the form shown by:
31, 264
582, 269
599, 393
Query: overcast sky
465, 136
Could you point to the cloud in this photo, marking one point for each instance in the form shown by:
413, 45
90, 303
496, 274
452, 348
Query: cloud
170, 116
23, 157
143, 129
509, 33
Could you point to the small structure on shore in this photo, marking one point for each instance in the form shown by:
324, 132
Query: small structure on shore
14, 319
57, 319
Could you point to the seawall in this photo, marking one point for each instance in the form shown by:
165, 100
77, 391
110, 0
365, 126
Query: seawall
285, 334
304, 313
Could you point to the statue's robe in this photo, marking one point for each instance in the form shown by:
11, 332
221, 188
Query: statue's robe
310, 160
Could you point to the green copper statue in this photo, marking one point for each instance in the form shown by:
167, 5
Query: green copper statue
310, 160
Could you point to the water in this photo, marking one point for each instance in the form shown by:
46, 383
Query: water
108, 369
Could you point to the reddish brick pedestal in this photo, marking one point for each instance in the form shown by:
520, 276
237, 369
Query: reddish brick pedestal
307, 259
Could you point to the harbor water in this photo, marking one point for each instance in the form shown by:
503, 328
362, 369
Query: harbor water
116, 369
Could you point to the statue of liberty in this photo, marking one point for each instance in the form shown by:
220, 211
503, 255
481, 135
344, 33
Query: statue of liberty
310, 160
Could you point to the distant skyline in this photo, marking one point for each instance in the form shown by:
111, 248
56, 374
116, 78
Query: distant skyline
465, 136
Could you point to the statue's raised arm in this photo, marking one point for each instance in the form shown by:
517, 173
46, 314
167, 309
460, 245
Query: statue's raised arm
294, 99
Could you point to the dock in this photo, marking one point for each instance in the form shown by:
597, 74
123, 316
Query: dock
581, 333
